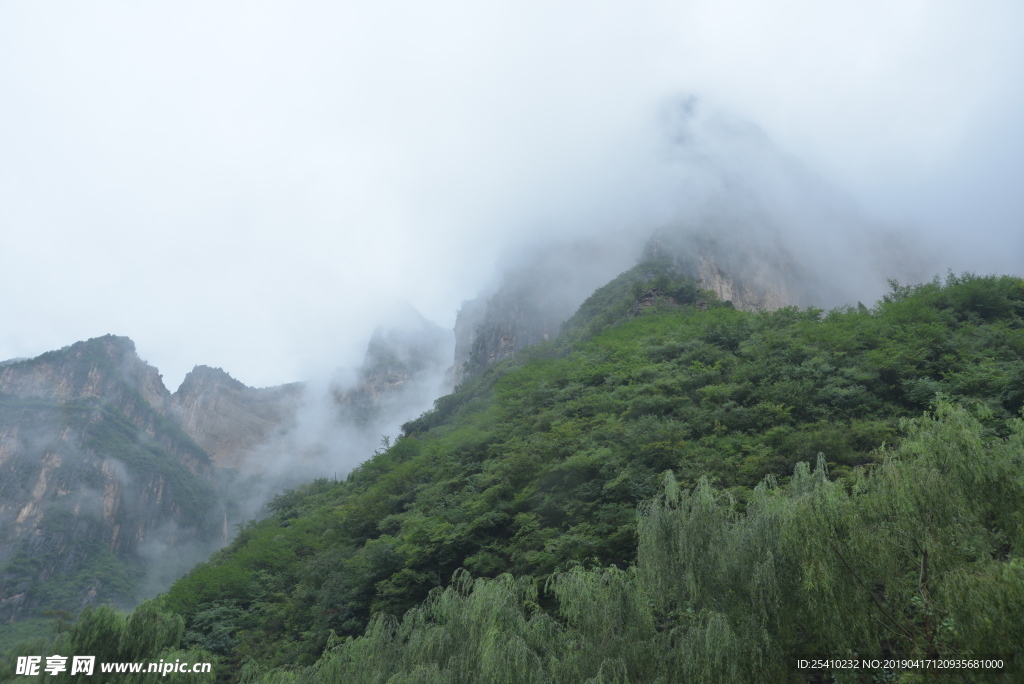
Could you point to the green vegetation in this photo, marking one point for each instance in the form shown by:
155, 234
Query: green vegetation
537, 466
147, 635
918, 556
498, 539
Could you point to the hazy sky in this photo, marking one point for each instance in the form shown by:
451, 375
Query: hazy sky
246, 184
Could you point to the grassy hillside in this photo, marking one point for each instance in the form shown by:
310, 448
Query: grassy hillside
532, 474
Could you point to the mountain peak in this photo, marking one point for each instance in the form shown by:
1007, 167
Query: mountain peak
202, 378
92, 368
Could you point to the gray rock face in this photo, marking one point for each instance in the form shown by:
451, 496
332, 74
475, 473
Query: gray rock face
109, 484
94, 474
401, 374
228, 419
534, 297
752, 271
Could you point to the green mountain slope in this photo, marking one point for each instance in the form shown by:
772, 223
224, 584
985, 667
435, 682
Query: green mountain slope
905, 538
539, 464
911, 572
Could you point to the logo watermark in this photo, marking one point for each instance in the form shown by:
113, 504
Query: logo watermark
86, 665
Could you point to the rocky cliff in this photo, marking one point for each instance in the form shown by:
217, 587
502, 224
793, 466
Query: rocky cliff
95, 478
402, 372
536, 293
752, 269
108, 482
743, 264
227, 418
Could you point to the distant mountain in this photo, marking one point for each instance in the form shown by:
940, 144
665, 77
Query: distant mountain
227, 418
111, 486
402, 372
97, 479
747, 265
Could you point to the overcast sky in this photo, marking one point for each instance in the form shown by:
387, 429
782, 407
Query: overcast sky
247, 184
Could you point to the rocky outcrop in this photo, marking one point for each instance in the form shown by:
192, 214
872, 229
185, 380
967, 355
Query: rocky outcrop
751, 270
106, 479
467, 323
107, 372
741, 263
105, 367
228, 419
94, 473
514, 317
402, 373
535, 295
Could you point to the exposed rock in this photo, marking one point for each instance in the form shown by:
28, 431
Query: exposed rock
535, 296
751, 270
104, 475
402, 372
108, 372
467, 324
227, 418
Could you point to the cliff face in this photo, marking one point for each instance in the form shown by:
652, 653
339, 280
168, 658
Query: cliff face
94, 474
228, 419
752, 270
741, 263
535, 295
110, 484
104, 368
401, 374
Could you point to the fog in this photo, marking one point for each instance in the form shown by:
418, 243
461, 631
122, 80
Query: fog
248, 185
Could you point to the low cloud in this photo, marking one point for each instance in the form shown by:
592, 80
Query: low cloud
242, 185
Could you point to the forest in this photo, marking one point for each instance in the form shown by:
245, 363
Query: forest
673, 491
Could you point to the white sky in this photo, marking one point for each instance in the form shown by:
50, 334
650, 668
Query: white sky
247, 184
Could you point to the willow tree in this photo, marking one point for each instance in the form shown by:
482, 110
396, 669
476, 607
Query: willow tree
916, 556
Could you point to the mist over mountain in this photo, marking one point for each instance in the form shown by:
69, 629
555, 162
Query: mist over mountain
111, 486
645, 258
244, 445
731, 211
405, 358
218, 208
98, 482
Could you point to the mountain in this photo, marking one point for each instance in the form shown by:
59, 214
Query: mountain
96, 479
754, 272
537, 294
695, 411
630, 496
228, 419
111, 486
401, 374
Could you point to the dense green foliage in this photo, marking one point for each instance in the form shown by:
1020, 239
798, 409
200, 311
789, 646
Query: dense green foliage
917, 556
146, 635
537, 466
